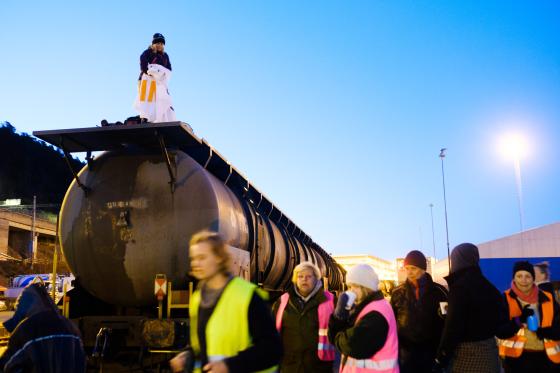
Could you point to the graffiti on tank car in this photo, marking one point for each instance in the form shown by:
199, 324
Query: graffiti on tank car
138, 203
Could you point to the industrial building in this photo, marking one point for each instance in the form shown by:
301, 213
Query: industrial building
498, 256
385, 269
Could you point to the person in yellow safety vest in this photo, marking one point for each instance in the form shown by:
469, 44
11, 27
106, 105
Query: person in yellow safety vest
302, 319
365, 333
231, 326
531, 341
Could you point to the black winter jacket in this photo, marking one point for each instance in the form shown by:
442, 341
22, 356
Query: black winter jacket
363, 339
300, 324
419, 322
476, 311
511, 328
43, 341
148, 56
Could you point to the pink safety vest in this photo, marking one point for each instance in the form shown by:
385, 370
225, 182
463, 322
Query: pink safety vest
385, 360
325, 350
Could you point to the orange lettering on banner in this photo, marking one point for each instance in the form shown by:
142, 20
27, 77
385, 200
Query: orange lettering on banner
143, 90
152, 91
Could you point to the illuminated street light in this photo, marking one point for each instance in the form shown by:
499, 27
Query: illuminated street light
514, 147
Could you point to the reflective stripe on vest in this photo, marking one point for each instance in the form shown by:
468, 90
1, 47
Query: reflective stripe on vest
386, 359
513, 347
325, 350
227, 330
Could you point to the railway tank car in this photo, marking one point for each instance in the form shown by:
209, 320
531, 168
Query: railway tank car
129, 213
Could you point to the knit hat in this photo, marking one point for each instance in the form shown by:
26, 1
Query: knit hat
364, 275
158, 38
415, 258
523, 266
463, 256
306, 265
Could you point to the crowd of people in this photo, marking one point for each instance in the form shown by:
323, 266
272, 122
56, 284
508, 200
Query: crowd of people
419, 326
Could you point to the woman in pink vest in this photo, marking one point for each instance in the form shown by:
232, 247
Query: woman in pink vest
364, 330
302, 317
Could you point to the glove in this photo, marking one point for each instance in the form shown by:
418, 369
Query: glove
340, 311
526, 312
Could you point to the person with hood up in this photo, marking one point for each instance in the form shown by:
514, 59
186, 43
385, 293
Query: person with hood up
41, 340
365, 332
417, 304
475, 313
302, 318
532, 341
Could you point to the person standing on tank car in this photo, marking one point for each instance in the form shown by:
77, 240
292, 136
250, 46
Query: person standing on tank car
154, 54
302, 319
531, 343
363, 326
417, 304
475, 313
231, 326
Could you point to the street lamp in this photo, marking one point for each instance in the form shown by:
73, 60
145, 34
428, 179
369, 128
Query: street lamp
514, 147
442, 155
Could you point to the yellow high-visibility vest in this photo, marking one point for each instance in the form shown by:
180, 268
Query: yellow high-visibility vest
227, 330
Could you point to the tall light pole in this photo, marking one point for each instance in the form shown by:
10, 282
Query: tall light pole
433, 233
442, 155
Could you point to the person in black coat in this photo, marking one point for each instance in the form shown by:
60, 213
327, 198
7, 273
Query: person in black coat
154, 54
41, 339
371, 337
417, 304
476, 312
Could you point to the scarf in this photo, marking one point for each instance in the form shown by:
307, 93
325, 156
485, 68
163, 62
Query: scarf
318, 286
531, 298
418, 286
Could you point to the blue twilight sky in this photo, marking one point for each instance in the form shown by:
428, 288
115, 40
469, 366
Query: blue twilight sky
336, 110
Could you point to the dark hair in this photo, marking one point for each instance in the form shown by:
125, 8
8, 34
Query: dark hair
544, 267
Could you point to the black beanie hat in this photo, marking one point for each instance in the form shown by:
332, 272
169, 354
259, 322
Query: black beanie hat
523, 266
464, 256
158, 38
415, 258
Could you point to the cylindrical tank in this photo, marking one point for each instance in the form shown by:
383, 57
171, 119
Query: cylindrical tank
131, 225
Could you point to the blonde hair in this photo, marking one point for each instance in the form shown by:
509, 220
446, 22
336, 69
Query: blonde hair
217, 246
365, 291
306, 265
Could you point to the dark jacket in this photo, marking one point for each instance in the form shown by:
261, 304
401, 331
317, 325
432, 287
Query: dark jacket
419, 323
476, 311
300, 327
363, 339
148, 56
509, 329
266, 350
43, 340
